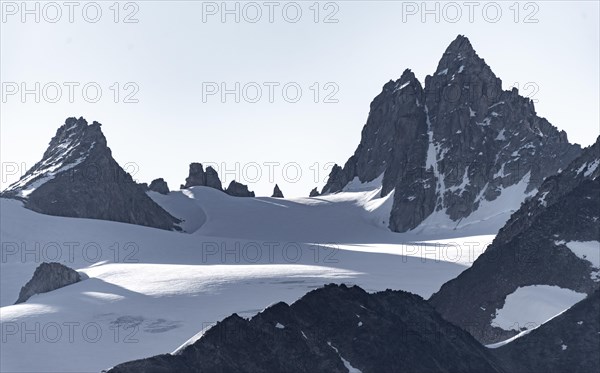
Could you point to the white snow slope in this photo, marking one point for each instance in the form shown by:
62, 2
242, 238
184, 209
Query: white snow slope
530, 306
150, 290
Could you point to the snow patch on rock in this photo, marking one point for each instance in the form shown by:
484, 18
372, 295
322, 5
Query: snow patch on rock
531, 306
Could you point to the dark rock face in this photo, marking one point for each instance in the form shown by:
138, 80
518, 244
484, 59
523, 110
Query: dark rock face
277, 192
78, 177
159, 185
314, 193
567, 343
531, 250
236, 189
391, 331
48, 277
585, 167
212, 179
456, 142
199, 177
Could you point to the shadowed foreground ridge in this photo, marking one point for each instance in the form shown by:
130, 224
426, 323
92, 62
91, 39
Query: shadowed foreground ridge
331, 329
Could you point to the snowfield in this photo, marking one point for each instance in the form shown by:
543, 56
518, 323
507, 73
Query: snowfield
590, 251
149, 291
530, 306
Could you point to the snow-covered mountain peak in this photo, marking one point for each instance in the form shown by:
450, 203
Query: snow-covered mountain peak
453, 145
458, 57
72, 144
78, 129
78, 177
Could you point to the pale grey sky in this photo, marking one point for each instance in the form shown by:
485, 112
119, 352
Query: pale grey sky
179, 49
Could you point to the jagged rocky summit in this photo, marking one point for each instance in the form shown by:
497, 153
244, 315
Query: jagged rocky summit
450, 146
78, 177
314, 192
210, 178
238, 190
199, 177
277, 192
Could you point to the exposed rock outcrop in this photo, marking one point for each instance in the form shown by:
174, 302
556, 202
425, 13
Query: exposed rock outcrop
78, 177
159, 186
450, 146
277, 192
238, 190
314, 192
332, 329
199, 177
48, 277
212, 179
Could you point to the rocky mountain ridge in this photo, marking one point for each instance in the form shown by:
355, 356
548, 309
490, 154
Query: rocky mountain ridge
453, 144
331, 329
78, 177
545, 242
